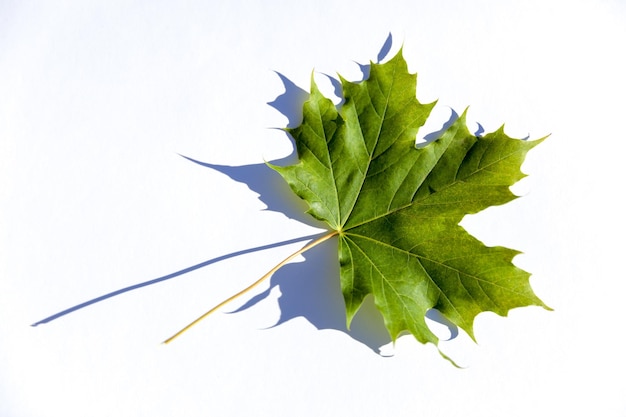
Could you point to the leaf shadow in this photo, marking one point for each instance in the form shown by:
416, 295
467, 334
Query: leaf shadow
309, 289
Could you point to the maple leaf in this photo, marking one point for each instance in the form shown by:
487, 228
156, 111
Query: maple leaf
395, 208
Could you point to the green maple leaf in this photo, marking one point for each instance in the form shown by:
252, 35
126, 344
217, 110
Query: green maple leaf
395, 208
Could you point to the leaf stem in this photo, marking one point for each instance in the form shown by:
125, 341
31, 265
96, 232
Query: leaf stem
254, 284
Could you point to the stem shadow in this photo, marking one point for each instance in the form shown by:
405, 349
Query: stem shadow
164, 278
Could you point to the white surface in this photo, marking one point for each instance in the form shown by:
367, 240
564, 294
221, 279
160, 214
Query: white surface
98, 98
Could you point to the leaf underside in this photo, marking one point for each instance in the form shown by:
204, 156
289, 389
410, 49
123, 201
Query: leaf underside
396, 208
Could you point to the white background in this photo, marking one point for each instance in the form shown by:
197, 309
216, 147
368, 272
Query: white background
99, 98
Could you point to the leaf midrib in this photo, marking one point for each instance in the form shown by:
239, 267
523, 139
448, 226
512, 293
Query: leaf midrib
455, 182
380, 127
421, 257
330, 164
405, 307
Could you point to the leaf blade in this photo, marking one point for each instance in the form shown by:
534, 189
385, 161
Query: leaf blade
398, 207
